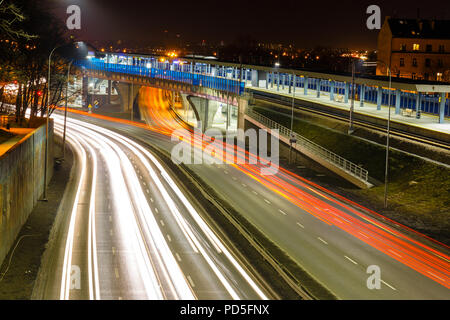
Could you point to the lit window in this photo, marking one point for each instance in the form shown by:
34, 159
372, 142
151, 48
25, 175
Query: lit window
416, 47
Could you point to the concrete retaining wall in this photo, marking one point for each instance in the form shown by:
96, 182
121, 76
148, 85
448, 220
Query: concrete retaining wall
22, 183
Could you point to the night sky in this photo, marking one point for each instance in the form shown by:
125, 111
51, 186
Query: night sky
302, 23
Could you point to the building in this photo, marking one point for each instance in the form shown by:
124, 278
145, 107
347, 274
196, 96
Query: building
415, 48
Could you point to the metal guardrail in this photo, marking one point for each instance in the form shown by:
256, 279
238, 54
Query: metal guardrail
326, 154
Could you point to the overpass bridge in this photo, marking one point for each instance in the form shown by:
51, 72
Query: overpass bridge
412, 97
426, 102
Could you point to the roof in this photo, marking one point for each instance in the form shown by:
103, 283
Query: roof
419, 28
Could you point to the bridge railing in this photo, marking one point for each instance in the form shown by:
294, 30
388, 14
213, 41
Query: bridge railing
312, 147
196, 79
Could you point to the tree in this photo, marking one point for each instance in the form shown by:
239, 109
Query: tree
10, 17
24, 58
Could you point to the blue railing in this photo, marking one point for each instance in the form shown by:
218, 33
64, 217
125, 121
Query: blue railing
429, 102
219, 83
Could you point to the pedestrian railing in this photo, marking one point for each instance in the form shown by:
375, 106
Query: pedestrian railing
196, 79
312, 147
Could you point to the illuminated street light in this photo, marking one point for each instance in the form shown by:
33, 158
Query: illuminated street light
77, 46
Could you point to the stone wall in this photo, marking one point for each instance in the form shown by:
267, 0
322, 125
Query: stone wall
22, 183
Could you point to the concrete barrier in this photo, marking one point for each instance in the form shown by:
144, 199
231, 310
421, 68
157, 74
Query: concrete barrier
22, 183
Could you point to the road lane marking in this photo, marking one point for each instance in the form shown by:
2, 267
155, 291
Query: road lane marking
436, 276
113, 249
191, 282
169, 238
225, 171
156, 209
363, 235
244, 185
110, 218
395, 253
300, 225
151, 199
267, 201
351, 260
111, 232
322, 240
284, 213
234, 178
256, 193
116, 271
148, 191
162, 222
178, 257
388, 285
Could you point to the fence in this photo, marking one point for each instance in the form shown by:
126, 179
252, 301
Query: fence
196, 79
318, 150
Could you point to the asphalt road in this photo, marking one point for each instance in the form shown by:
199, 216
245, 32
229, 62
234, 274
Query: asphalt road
126, 231
330, 237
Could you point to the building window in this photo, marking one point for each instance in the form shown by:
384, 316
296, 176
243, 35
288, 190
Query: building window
441, 48
429, 48
427, 63
414, 62
403, 47
440, 63
416, 47
402, 62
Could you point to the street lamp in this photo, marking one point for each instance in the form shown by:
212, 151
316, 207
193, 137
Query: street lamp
352, 104
48, 116
386, 171
292, 138
47, 121
65, 109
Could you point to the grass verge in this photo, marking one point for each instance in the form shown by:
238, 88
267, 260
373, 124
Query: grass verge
419, 190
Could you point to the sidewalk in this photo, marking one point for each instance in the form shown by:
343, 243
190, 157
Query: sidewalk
426, 121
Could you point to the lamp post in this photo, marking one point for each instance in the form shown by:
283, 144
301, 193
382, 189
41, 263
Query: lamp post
350, 128
292, 137
44, 198
47, 122
388, 131
65, 109
386, 171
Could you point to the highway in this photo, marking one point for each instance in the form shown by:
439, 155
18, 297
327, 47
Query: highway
332, 238
126, 231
